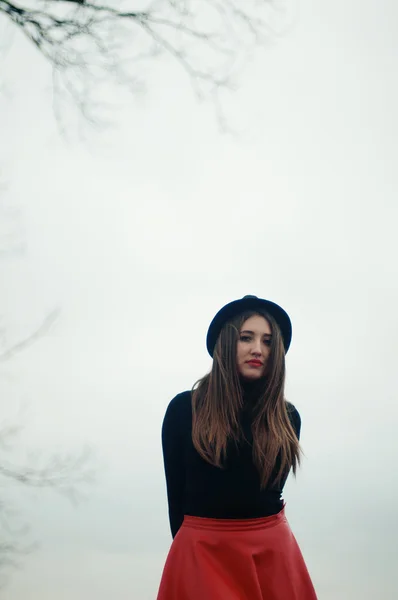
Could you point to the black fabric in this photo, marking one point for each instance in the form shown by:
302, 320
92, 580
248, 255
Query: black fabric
237, 307
196, 488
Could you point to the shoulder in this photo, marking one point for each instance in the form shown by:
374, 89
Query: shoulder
177, 420
291, 409
294, 416
178, 408
179, 403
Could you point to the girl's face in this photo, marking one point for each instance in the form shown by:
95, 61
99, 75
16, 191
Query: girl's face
253, 348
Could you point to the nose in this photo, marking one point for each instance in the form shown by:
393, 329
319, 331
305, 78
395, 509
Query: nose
256, 348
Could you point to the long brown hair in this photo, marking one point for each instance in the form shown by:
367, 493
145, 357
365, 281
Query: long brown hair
217, 400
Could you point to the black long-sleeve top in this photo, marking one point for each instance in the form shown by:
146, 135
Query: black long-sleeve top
197, 488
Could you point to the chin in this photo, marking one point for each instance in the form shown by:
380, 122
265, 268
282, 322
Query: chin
252, 376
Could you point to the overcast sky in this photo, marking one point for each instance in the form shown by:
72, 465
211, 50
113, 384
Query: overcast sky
140, 234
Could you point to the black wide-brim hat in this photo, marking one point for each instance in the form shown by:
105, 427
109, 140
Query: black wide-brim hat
237, 307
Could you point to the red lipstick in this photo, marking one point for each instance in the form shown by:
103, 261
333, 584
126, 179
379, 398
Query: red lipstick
255, 363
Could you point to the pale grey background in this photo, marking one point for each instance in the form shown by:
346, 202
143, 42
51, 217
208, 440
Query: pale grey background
144, 232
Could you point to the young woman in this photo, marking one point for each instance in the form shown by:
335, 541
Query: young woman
228, 447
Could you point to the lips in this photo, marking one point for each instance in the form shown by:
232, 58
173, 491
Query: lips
255, 363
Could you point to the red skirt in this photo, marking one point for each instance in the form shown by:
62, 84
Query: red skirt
229, 559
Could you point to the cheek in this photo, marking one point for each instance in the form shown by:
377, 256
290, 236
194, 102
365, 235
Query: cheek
267, 355
240, 352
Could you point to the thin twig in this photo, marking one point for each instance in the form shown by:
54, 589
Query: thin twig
27, 342
74, 37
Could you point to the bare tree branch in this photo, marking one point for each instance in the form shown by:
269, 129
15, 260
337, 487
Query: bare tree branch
31, 339
66, 473
90, 43
63, 473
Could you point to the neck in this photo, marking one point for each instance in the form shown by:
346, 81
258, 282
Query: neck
251, 389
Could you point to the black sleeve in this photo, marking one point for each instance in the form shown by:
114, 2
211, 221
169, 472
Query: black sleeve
295, 418
173, 457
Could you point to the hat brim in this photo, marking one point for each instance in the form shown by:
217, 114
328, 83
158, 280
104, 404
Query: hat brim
237, 307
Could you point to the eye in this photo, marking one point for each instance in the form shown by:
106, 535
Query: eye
267, 342
245, 338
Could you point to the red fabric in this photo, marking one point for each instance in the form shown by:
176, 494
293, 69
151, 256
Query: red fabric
223, 559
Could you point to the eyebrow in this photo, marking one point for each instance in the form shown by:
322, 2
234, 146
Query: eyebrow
252, 333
